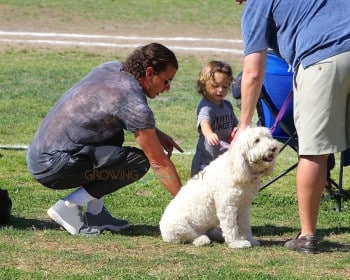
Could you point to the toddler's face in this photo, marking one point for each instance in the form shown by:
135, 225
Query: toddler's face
218, 87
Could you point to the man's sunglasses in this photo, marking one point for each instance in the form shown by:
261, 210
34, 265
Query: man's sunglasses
167, 82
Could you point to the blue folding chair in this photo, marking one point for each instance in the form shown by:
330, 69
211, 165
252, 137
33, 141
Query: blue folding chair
275, 107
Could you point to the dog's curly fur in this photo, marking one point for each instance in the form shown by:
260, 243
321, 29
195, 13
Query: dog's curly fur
221, 194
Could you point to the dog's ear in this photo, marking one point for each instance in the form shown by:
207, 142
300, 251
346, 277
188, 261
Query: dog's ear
237, 159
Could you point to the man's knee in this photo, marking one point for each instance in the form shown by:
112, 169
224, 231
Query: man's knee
138, 160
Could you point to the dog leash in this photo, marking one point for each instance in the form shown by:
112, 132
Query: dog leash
278, 117
282, 111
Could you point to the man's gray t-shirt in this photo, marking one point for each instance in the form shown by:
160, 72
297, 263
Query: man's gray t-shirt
95, 110
222, 121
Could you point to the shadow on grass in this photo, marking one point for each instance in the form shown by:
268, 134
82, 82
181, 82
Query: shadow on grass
273, 232
325, 245
21, 223
333, 247
141, 230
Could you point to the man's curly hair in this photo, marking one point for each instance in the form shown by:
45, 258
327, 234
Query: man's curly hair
152, 55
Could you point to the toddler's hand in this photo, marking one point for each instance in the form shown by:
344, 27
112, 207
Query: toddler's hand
213, 139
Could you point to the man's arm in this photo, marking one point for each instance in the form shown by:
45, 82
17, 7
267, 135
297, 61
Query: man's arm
159, 161
251, 84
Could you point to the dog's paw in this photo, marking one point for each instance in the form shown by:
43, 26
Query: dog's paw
201, 240
240, 244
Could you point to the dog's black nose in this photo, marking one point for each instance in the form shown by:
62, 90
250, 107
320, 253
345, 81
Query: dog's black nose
274, 149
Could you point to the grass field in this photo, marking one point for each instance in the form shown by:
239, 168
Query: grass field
33, 77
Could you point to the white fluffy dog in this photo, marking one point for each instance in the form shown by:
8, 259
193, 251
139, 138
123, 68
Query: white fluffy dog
221, 194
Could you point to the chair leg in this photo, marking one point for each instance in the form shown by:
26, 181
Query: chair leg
334, 194
279, 176
339, 193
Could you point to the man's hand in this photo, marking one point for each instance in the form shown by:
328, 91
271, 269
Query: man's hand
238, 130
168, 143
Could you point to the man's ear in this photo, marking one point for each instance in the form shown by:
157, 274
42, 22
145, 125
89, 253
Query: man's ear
149, 71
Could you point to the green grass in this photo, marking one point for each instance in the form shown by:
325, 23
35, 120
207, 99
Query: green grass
33, 247
159, 11
32, 81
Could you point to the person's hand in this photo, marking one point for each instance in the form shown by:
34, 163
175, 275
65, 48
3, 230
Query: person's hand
238, 130
240, 1
212, 139
168, 143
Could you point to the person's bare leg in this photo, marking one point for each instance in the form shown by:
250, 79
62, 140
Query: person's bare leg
311, 181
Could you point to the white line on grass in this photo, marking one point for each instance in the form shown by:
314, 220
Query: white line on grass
73, 35
112, 45
116, 45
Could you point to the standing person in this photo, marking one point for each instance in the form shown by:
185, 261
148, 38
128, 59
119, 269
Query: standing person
215, 116
314, 38
80, 142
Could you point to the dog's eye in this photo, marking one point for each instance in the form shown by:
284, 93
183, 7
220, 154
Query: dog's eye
257, 140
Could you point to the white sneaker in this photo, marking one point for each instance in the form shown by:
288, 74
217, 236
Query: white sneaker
70, 216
